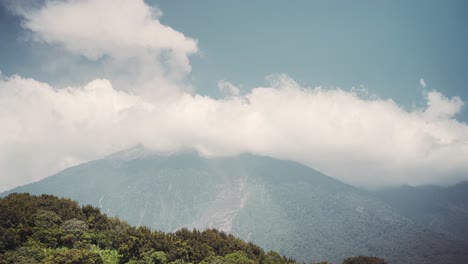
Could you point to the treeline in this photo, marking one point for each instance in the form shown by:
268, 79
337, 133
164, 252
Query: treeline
47, 229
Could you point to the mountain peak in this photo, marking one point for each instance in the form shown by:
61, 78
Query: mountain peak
142, 152
136, 152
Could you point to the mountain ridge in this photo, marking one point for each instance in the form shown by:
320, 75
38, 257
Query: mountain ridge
442, 208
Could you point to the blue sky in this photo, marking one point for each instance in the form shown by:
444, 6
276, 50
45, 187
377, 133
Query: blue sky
83, 79
385, 46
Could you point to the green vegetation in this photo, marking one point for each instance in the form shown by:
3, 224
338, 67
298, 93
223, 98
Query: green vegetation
364, 260
50, 230
46, 229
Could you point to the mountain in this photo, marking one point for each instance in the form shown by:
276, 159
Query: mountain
280, 205
443, 209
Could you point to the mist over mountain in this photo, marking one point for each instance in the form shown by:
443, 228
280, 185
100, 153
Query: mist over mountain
280, 205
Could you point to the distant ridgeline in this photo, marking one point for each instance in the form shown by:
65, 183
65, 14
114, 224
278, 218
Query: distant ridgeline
47, 229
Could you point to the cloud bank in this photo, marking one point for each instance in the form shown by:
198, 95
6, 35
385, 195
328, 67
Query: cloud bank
362, 141
356, 138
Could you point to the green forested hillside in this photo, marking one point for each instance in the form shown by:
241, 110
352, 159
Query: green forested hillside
47, 229
443, 209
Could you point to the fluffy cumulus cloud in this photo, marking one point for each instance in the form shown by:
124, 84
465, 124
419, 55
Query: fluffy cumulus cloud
118, 28
125, 37
355, 137
362, 141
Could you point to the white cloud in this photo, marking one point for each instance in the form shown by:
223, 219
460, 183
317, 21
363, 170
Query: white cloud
368, 142
125, 37
422, 82
228, 88
440, 106
118, 28
351, 135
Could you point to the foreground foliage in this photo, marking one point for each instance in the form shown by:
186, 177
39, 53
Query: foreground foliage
47, 229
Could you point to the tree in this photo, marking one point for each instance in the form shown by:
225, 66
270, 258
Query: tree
74, 256
364, 260
46, 219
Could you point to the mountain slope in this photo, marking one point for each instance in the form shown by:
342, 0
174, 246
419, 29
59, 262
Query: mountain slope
280, 205
444, 209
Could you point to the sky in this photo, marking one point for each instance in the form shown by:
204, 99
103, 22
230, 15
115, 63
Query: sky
369, 92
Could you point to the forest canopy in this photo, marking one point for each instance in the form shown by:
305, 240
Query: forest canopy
48, 229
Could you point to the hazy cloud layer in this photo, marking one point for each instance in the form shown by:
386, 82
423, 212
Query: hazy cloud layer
357, 138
